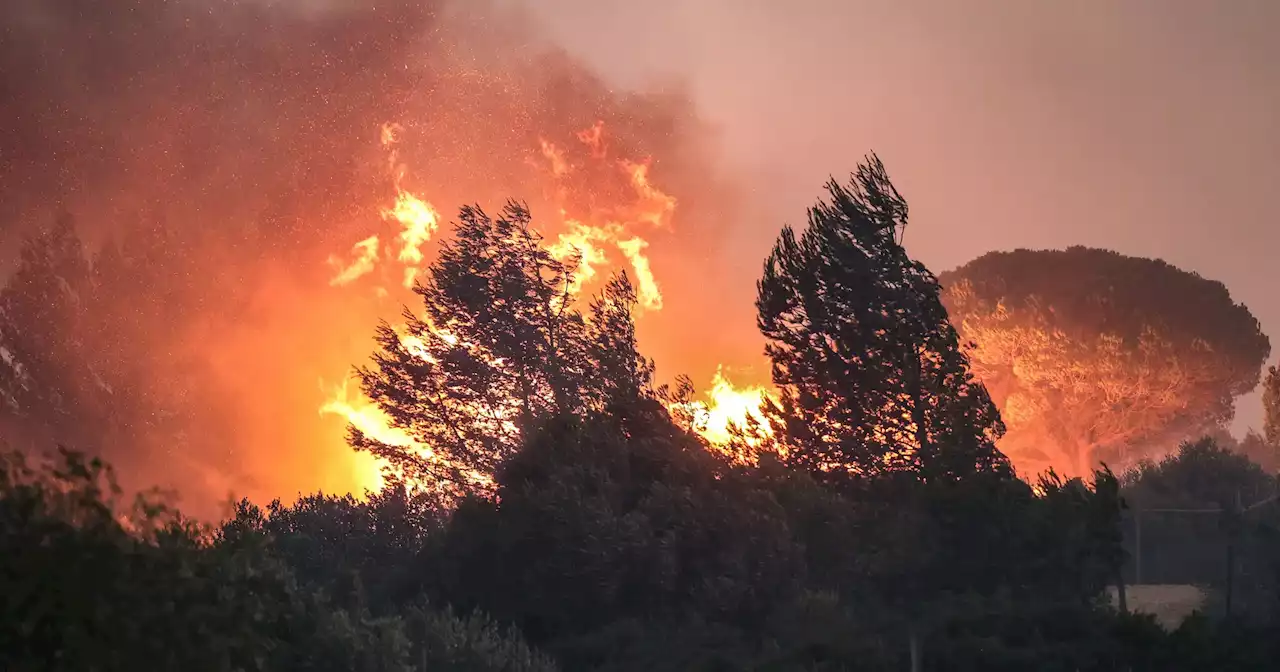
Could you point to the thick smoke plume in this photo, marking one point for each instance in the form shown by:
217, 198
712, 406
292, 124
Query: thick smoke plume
213, 154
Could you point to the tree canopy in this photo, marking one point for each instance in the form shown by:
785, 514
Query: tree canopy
1092, 355
1200, 474
870, 372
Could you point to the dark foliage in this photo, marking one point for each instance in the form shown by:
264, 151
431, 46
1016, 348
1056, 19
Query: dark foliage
1208, 516
870, 371
82, 587
624, 518
83, 590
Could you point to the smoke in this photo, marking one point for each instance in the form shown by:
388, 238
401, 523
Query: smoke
227, 149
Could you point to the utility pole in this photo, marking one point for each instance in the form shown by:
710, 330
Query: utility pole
915, 650
1137, 546
1233, 527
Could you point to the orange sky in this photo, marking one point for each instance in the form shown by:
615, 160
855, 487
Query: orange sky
1151, 127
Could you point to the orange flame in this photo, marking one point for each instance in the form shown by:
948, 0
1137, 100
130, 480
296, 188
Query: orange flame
646, 286
594, 138
659, 205
420, 221
589, 239
365, 416
729, 406
581, 240
366, 258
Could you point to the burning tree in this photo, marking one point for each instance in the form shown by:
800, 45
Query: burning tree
1092, 355
499, 346
870, 372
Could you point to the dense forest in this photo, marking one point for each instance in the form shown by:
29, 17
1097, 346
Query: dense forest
556, 508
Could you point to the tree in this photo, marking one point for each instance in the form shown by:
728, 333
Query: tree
42, 380
500, 346
1271, 406
142, 288
1253, 446
870, 372
1229, 536
1201, 474
1095, 356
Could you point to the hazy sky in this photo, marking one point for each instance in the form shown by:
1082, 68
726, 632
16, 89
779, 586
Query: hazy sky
1150, 127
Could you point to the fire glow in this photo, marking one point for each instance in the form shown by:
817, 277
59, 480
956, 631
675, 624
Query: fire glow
609, 235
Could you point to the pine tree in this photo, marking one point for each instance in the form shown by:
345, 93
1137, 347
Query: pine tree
871, 374
499, 346
620, 373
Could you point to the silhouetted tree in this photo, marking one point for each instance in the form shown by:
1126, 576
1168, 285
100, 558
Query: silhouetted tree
1201, 474
499, 346
369, 547
871, 375
1252, 445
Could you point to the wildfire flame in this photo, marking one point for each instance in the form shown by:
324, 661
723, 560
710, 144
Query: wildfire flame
588, 238
420, 222
611, 227
728, 406
646, 286
365, 416
366, 252
417, 218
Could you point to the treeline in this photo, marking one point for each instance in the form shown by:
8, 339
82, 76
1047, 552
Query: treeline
1206, 516
568, 516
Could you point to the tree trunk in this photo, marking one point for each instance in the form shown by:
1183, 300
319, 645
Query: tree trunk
913, 373
1137, 546
1231, 574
